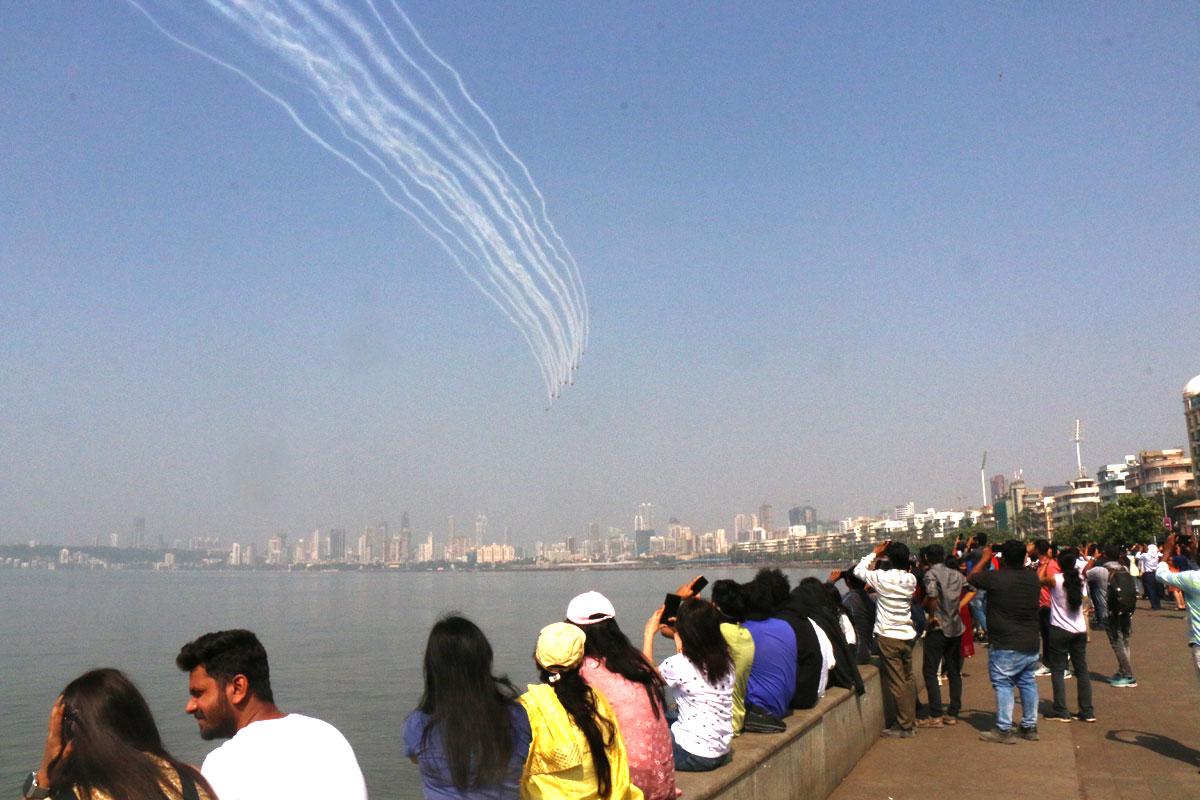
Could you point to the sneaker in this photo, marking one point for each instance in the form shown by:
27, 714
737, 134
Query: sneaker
998, 736
1029, 734
896, 732
948, 721
1041, 672
1067, 674
1123, 683
931, 722
1064, 717
1085, 717
1116, 676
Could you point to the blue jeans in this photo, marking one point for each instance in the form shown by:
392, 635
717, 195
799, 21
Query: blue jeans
979, 609
1008, 669
690, 762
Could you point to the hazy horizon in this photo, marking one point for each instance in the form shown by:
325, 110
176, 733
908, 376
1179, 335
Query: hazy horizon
830, 259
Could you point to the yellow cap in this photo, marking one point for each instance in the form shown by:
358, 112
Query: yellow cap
559, 647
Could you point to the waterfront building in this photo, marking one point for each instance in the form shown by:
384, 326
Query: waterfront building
766, 517
337, 544
1191, 416
1081, 500
1160, 470
1110, 479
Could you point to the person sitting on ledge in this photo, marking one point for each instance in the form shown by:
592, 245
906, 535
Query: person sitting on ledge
700, 677
577, 752
634, 689
270, 753
730, 603
102, 743
469, 735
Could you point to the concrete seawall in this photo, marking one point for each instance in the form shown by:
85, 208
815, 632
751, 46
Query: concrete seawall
809, 760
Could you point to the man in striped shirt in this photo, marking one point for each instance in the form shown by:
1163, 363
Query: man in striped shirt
894, 632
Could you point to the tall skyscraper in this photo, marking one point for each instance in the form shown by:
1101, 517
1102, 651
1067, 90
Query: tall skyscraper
481, 524
138, 538
999, 486
337, 544
644, 519
765, 518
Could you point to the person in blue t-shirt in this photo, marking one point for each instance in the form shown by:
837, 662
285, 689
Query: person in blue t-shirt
468, 734
772, 681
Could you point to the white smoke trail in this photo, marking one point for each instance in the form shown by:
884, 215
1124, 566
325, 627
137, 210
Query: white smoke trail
364, 90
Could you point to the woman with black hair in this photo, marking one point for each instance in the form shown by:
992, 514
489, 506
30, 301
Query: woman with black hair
730, 603
618, 670
811, 598
1068, 635
102, 744
577, 752
468, 734
700, 676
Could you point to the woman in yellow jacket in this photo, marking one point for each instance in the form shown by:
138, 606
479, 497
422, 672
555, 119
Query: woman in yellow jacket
577, 752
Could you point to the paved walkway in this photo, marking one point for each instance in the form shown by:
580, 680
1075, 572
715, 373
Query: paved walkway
1145, 744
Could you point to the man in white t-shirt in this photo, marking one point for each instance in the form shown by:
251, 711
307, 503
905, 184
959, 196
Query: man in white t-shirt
270, 753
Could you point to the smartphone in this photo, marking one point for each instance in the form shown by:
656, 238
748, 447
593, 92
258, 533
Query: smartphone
670, 609
698, 585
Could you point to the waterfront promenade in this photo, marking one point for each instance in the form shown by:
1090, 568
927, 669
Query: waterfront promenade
1145, 743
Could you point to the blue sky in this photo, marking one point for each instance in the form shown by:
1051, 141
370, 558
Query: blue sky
832, 255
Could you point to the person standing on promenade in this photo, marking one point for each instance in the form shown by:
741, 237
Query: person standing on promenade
1120, 591
634, 689
1041, 549
270, 753
1012, 639
468, 735
729, 602
1097, 583
894, 588
1148, 560
1189, 583
943, 638
1068, 636
978, 605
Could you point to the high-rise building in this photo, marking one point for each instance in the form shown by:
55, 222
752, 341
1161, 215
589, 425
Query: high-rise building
999, 486
1110, 479
1160, 470
277, 552
644, 519
314, 546
138, 537
1191, 416
765, 517
481, 523
337, 544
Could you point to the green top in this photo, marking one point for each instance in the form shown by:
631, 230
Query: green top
1189, 582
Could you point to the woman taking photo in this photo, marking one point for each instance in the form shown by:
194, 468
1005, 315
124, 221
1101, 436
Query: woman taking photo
631, 685
577, 752
700, 677
1068, 635
468, 735
102, 744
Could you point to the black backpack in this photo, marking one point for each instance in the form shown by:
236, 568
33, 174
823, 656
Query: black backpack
1122, 592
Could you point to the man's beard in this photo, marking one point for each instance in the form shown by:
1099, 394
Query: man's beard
218, 726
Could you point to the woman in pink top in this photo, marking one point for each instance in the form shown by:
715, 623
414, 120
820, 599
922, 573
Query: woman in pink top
631, 685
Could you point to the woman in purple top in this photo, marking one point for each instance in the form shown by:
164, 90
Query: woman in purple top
468, 735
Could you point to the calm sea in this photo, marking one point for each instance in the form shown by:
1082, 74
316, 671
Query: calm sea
345, 647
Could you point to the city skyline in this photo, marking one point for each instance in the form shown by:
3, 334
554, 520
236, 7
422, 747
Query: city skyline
831, 256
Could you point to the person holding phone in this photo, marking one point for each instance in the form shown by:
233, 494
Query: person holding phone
700, 677
634, 689
102, 742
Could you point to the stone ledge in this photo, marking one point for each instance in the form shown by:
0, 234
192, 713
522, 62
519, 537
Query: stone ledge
809, 759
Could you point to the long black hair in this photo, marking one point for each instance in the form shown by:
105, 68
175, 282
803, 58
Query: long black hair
606, 641
112, 732
1072, 583
580, 702
699, 628
466, 704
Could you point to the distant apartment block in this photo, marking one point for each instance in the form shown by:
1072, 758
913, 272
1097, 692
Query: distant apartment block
1160, 470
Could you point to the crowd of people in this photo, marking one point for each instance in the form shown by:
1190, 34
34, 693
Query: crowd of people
605, 720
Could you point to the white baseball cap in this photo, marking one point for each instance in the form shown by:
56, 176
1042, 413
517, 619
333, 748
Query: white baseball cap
589, 607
